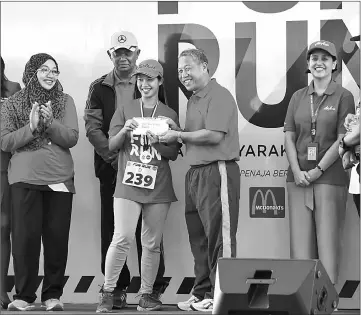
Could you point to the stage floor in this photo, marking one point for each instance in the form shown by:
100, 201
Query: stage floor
132, 309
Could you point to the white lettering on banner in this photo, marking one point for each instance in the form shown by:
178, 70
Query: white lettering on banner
265, 208
262, 150
263, 173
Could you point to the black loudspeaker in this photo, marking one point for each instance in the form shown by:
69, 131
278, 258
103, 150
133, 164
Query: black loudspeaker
273, 287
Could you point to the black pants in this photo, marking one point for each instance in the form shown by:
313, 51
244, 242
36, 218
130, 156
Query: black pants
36, 215
211, 212
107, 187
5, 232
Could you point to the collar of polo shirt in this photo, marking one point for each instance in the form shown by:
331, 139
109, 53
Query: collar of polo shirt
202, 93
330, 89
118, 80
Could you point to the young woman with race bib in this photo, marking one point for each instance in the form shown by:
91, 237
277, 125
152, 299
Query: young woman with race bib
144, 183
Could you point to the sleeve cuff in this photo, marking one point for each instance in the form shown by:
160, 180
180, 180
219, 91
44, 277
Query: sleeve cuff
114, 131
215, 128
53, 126
30, 134
289, 129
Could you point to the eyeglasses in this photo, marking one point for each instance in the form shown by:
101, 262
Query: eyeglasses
46, 71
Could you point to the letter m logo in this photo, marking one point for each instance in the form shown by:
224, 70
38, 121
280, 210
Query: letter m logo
267, 202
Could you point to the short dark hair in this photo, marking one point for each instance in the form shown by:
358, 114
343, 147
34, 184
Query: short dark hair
196, 54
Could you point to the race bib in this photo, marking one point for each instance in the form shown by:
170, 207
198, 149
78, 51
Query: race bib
155, 125
140, 175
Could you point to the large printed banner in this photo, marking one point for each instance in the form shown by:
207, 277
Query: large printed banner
256, 49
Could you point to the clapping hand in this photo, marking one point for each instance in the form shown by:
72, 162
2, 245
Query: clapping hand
34, 117
47, 113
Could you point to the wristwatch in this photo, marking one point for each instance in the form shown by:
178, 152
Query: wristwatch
179, 137
343, 145
319, 167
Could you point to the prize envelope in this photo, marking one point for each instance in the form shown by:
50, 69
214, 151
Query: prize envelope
155, 125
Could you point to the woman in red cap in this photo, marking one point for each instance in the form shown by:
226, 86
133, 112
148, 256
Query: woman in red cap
144, 183
316, 181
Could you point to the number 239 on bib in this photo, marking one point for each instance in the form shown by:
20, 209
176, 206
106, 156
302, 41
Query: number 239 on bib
140, 175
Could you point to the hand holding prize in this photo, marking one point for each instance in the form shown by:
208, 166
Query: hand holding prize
156, 126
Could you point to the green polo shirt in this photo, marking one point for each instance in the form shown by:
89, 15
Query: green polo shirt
338, 104
213, 108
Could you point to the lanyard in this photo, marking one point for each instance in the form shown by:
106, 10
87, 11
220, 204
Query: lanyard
314, 115
141, 108
146, 145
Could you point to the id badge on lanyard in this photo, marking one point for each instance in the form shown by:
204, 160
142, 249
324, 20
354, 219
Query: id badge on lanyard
312, 148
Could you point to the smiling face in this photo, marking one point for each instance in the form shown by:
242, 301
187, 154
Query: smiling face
148, 86
47, 74
321, 64
191, 73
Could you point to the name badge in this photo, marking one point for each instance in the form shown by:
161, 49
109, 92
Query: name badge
312, 151
155, 125
140, 175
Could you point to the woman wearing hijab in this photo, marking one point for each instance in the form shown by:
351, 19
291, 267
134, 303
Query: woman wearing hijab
39, 125
8, 88
316, 181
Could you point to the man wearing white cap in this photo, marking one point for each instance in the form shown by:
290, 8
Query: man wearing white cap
105, 95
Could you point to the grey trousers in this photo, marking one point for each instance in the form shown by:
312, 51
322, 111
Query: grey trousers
317, 215
126, 215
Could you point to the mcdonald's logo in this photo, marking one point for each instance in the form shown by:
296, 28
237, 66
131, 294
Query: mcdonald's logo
267, 202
